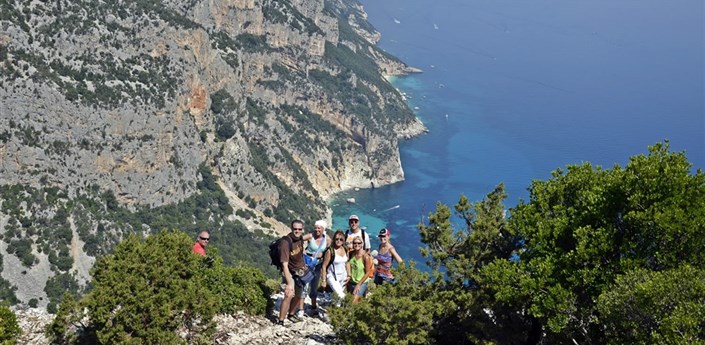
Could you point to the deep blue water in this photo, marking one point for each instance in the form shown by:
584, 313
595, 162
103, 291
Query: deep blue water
528, 87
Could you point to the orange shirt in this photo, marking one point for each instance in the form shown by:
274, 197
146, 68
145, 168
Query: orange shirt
199, 249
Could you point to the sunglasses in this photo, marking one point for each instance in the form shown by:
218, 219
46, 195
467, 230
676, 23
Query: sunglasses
339, 239
204, 238
297, 229
353, 221
357, 243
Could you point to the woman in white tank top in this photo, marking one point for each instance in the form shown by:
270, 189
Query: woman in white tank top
334, 265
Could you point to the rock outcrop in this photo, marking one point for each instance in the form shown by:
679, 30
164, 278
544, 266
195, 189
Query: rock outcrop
283, 101
231, 329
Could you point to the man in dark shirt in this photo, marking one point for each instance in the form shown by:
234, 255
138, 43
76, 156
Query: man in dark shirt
292, 259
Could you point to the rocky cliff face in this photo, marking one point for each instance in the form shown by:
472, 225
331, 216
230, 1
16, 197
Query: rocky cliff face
126, 101
283, 101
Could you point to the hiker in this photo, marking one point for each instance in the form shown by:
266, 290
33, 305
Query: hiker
201, 243
314, 249
361, 268
385, 254
335, 270
356, 232
291, 256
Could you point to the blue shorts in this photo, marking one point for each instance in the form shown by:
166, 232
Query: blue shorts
313, 285
363, 288
379, 280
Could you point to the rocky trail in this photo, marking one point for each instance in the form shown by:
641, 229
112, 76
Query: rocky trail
238, 328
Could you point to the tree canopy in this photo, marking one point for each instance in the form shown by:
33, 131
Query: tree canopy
9, 329
586, 226
155, 291
588, 259
595, 256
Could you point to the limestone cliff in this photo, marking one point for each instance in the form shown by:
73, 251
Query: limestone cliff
283, 101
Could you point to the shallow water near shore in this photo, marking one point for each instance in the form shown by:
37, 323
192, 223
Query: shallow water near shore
512, 90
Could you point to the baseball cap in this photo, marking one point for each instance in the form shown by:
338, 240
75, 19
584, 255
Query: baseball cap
354, 217
384, 232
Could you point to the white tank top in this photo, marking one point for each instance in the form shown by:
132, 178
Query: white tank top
339, 267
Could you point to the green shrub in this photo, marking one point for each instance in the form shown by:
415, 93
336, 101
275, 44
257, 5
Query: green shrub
224, 128
9, 329
238, 288
150, 288
403, 313
23, 250
222, 102
59, 285
147, 289
243, 213
7, 291
647, 307
60, 330
251, 43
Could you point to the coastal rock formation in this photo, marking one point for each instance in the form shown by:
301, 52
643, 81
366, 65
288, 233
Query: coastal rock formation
283, 102
126, 113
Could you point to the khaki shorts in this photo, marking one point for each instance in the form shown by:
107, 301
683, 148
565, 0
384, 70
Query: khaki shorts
298, 289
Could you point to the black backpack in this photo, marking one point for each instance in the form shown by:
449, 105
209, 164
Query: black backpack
274, 250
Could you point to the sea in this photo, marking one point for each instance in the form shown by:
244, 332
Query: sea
514, 89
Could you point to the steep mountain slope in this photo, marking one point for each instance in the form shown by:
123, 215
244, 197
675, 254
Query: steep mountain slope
233, 115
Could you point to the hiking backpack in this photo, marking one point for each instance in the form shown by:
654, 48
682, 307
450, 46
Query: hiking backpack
274, 250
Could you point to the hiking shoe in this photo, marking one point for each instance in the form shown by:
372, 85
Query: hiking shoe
314, 312
294, 318
279, 322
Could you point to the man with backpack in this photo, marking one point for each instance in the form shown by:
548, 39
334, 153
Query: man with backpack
291, 257
356, 232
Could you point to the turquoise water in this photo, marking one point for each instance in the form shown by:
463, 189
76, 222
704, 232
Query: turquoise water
512, 90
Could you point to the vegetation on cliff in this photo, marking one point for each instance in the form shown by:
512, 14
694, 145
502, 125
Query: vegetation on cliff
213, 71
596, 256
156, 291
101, 223
9, 329
130, 118
599, 256
123, 119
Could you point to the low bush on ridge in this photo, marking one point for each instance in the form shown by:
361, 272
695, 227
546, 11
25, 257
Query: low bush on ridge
155, 290
9, 329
